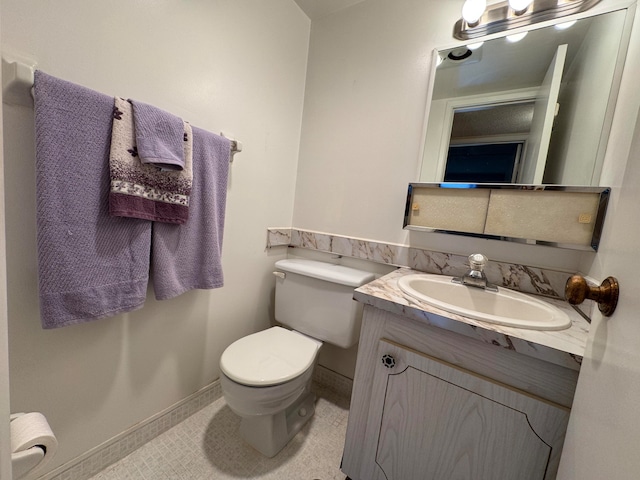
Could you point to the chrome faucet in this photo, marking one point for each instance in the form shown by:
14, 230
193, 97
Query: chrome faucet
475, 276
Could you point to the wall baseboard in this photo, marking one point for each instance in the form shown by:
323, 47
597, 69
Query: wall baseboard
339, 384
100, 457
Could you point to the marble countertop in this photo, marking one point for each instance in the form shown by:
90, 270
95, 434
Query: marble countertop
562, 347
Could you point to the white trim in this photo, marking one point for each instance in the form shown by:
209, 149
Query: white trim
5, 429
425, 124
453, 104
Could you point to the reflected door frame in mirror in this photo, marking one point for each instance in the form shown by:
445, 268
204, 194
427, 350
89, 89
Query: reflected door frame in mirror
453, 105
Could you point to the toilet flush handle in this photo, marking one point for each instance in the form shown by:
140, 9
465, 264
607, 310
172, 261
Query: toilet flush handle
281, 275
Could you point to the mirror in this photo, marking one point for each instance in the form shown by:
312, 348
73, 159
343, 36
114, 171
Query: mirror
533, 111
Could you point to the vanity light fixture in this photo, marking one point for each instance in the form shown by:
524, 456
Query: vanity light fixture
479, 20
520, 6
458, 54
472, 11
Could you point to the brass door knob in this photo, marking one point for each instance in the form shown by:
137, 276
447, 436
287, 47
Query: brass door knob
577, 290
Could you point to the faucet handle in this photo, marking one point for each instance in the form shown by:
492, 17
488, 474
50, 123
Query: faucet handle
477, 261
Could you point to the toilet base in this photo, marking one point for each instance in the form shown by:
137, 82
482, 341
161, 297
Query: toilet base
270, 433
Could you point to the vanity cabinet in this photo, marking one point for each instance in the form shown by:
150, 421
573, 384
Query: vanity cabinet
431, 404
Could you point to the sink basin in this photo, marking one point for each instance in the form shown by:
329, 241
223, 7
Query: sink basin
504, 307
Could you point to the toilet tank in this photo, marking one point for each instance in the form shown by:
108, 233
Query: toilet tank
316, 298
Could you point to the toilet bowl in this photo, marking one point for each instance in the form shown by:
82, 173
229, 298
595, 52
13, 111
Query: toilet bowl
267, 371
266, 376
266, 380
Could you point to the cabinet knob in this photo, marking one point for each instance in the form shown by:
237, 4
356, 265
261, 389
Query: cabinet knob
388, 361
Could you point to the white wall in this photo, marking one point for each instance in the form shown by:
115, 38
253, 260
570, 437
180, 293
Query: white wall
236, 65
364, 122
364, 109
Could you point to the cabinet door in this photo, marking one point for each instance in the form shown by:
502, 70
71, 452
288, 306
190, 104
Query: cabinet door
432, 421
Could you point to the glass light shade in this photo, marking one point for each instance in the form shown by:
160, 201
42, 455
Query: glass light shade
475, 46
516, 37
472, 10
565, 25
520, 5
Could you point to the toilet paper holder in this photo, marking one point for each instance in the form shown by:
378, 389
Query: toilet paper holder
23, 462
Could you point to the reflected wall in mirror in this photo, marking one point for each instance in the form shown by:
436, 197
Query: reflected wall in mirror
533, 111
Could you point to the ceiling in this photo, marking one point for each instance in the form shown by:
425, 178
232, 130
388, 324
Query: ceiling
316, 9
500, 65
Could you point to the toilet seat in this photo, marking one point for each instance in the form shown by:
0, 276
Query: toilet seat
269, 357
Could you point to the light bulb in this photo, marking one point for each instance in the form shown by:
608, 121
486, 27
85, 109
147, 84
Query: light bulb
516, 37
519, 6
565, 25
472, 10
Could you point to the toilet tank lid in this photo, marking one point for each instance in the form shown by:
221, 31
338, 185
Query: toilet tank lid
329, 272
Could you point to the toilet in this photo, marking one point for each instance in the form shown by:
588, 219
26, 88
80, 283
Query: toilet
266, 376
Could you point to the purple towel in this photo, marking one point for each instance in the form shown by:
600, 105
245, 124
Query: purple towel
142, 190
90, 264
188, 256
159, 136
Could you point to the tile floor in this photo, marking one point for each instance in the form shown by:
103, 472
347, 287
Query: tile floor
207, 446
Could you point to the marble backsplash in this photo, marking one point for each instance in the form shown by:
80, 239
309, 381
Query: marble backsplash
515, 276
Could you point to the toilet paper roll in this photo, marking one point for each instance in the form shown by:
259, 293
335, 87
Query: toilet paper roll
30, 430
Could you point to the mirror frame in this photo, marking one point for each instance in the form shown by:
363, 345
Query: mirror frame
603, 201
598, 9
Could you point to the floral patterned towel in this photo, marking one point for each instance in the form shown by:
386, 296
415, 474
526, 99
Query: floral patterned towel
140, 190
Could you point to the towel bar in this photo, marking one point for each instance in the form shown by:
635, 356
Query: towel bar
236, 146
17, 89
17, 82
